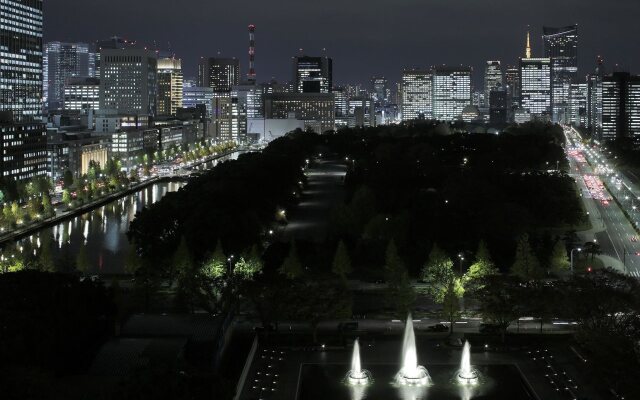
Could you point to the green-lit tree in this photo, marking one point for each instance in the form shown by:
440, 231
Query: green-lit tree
216, 266
400, 294
291, 267
442, 284
66, 197
526, 265
341, 261
559, 262
482, 267
47, 208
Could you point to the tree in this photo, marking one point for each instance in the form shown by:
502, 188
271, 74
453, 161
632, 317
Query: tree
82, 260
482, 267
291, 267
526, 265
442, 284
66, 197
216, 266
67, 179
47, 208
341, 261
559, 262
499, 299
400, 294
592, 248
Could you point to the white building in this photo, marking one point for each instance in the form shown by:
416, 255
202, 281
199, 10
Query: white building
416, 95
535, 87
451, 92
170, 86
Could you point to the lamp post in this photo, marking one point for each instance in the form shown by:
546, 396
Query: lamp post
579, 249
461, 257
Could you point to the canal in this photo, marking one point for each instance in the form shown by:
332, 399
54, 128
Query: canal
102, 232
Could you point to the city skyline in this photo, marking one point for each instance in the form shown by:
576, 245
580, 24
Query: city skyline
363, 41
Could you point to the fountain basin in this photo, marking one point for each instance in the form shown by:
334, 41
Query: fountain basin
360, 378
417, 377
471, 377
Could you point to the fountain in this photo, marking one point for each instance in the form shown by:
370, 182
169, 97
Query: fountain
467, 375
411, 373
357, 375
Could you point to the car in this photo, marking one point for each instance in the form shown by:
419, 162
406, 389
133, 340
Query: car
438, 328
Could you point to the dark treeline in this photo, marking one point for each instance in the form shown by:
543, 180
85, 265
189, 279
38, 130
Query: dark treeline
232, 203
420, 187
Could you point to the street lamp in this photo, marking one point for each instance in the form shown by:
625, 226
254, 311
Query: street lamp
461, 257
572, 250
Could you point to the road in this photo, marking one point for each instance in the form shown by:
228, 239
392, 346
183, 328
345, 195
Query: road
611, 227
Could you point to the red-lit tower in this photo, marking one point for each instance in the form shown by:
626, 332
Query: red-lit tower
251, 76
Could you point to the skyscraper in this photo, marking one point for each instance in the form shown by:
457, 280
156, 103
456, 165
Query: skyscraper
82, 94
379, 86
63, 61
493, 79
578, 104
512, 80
21, 60
23, 140
621, 108
416, 98
313, 74
170, 82
594, 97
535, 87
220, 74
451, 92
561, 46
128, 83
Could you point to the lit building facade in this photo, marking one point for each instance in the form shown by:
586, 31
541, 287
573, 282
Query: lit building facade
62, 61
416, 99
380, 89
493, 79
451, 92
621, 108
82, 95
561, 46
578, 104
170, 86
220, 74
128, 82
313, 74
23, 140
535, 87
131, 145
193, 96
317, 110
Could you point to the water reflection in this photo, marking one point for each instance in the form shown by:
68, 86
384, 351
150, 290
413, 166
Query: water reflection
102, 232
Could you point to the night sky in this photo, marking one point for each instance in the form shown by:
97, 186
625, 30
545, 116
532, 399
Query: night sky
365, 38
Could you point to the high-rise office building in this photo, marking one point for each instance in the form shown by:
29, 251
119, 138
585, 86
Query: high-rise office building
416, 98
493, 79
128, 83
170, 86
451, 92
82, 94
63, 61
380, 89
499, 106
220, 74
578, 104
194, 96
112, 43
561, 46
535, 87
594, 97
21, 60
23, 140
313, 74
621, 108
512, 83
